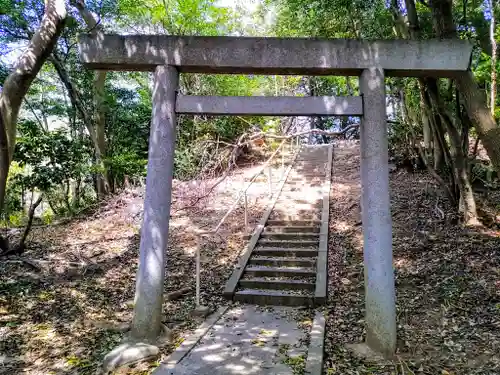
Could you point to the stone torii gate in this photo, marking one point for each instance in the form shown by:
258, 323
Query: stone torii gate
167, 56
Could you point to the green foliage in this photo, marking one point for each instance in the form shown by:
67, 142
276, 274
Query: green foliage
188, 17
127, 128
13, 200
185, 163
4, 72
16, 219
5, 6
51, 157
77, 362
56, 159
482, 72
359, 19
127, 165
47, 216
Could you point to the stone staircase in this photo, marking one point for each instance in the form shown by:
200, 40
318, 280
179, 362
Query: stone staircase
285, 262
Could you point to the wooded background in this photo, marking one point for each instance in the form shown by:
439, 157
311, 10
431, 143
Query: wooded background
70, 136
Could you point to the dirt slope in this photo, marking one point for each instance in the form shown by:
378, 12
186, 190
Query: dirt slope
65, 315
447, 280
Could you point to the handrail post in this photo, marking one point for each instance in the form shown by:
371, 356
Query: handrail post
282, 161
270, 182
246, 212
198, 256
199, 309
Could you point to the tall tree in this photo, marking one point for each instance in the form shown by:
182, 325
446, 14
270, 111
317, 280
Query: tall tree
493, 91
474, 98
19, 80
435, 104
99, 125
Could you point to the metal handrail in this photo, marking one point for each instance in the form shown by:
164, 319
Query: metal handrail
242, 193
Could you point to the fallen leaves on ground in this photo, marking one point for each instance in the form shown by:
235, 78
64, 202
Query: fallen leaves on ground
64, 317
447, 280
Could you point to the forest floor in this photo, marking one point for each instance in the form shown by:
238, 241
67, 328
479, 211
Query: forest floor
447, 279
64, 312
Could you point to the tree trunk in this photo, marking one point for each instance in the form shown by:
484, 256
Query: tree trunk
31, 215
73, 93
4, 160
474, 97
493, 92
427, 133
103, 185
459, 161
76, 192
437, 153
67, 198
97, 132
53, 206
442, 155
443, 21
19, 80
410, 120
441, 144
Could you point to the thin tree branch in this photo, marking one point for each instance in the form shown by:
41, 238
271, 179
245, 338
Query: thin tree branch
32, 110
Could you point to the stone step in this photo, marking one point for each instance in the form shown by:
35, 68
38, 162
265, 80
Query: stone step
289, 202
285, 252
311, 163
291, 243
304, 184
312, 159
292, 223
302, 176
298, 216
290, 236
291, 208
298, 212
311, 168
283, 261
260, 271
315, 202
314, 186
300, 189
273, 297
260, 283
292, 229
315, 164
307, 173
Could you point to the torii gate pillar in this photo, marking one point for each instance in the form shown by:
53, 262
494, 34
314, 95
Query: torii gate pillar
154, 233
376, 215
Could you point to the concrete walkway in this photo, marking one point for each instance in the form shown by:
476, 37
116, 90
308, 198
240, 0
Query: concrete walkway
249, 340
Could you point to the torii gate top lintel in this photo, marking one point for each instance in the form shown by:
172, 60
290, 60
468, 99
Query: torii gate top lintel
263, 55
